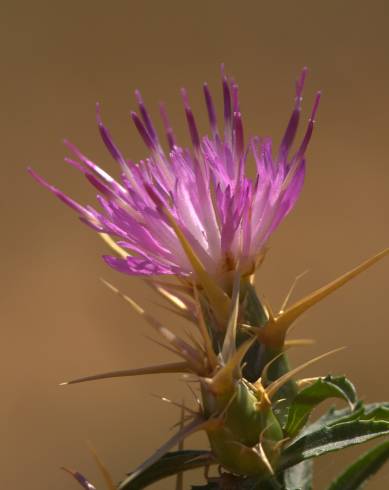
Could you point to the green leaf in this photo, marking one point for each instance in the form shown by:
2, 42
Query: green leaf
265, 485
261, 484
335, 436
242, 484
170, 464
299, 477
335, 416
359, 472
308, 398
255, 315
254, 312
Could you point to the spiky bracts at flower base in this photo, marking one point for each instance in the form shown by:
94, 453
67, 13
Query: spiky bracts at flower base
196, 215
246, 422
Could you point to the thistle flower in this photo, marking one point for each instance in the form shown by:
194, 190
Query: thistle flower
182, 211
198, 216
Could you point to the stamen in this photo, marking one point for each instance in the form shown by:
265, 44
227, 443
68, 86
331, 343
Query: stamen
235, 97
210, 109
63, 197
194, 134
168, 129
291, 129
142, 130
146, 118
238, 134
106, 137
102, 188
300, 84
226, 99
300, 152
80, 478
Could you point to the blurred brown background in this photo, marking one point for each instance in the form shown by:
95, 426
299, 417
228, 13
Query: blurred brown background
59, 321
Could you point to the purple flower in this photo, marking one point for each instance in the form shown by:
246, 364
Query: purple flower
200, 199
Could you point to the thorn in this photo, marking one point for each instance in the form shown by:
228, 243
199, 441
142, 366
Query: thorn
176, 404
264, 378
195, 426
181, 347
278, 383
196, 398
172, 298
262, 452
229, 343
161, 344
302, 383
299, 342
222, 414
224, 379
180, 288
171, 309
180, 475
273, 333
211, 356
174, 367
291, 289
114, 246
103, 470
293, 312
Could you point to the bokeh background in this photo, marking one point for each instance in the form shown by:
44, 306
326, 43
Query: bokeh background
60, 322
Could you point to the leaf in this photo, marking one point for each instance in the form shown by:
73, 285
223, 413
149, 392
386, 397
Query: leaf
308, 398
241, 483
255, 315
170, 464
335, 416
359, 472
261, 484
299, 477
335, 436
197, 424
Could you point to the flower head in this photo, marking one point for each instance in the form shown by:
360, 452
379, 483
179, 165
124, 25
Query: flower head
182, 204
